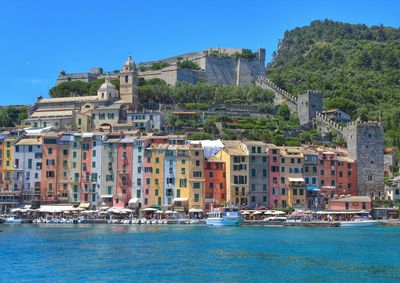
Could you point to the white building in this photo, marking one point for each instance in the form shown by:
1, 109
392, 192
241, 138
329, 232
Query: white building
28, 167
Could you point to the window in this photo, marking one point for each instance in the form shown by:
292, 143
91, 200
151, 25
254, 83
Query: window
182, 183
347, 205
197, 162
196, 197
253, 187
197, 174
196, 185
301, 192
50, 151
253, 172
283, 191
295, 192
322, 172
157, 160
183, 170
211, 174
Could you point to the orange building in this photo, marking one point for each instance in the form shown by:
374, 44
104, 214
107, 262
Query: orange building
48, 192
124, 176
215, 183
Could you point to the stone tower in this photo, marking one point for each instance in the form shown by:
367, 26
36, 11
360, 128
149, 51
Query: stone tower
128, 88
365, 143
308, 104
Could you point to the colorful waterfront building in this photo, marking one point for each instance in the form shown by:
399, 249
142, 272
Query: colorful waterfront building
88, 193
63, 173
157, 177
29, 154
181, 197
274, 179
314, 196
236, 159
147, 175
138, 179
109, 171
97, 169
169, 176
292, 162
215, 183
125, 172
49, 192
196, 177
75, 168
258, 173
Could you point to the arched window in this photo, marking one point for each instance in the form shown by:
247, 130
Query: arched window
126, 78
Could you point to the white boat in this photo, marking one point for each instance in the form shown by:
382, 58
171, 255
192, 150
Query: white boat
359, 223
14, 219
225, 216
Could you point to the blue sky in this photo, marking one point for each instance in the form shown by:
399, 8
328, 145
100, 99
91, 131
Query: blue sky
40, 38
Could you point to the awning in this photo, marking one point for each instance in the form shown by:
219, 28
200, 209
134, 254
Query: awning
54, 208
106, 196
194, 210
133, 201
180, 199
313, 189
292, 179
84, 205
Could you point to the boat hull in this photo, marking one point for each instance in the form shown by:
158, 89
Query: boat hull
366, 223
225, 221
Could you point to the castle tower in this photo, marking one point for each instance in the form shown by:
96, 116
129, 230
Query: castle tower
365, 143
129, 83
308, 104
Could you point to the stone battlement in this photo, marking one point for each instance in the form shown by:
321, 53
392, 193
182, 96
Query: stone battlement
286, 95
325, 124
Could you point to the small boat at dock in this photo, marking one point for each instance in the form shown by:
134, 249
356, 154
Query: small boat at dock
360, 223
225, 216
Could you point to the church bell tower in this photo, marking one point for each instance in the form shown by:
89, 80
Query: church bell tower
129, 83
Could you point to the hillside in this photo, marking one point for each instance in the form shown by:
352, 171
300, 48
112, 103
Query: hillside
357, 67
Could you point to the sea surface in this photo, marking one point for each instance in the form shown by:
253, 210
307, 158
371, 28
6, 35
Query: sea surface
190, 253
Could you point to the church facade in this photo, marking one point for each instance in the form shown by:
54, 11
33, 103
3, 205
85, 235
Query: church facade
86, 113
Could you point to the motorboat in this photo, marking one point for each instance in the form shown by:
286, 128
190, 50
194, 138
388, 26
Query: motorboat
14, 219
359, 223
224, 216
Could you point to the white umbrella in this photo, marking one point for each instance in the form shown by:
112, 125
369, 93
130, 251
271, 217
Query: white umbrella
278, 212
149, 209
257, 212
245, 213
16, 210
159, 212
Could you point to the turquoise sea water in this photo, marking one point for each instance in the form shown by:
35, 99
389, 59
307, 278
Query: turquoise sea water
168, 253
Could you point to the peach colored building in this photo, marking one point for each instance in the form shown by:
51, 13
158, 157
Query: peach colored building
49, 192
353, 203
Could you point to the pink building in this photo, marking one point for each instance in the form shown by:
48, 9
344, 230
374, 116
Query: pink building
274, 182
353, 203
124, 172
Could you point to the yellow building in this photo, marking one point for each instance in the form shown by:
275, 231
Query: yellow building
8, 164
181, 196
292, 175
157, 176
196, 178
237, 172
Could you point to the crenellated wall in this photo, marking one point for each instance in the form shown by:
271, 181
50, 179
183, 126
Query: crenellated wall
281, 96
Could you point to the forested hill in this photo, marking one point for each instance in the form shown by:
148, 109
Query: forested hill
357, 67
